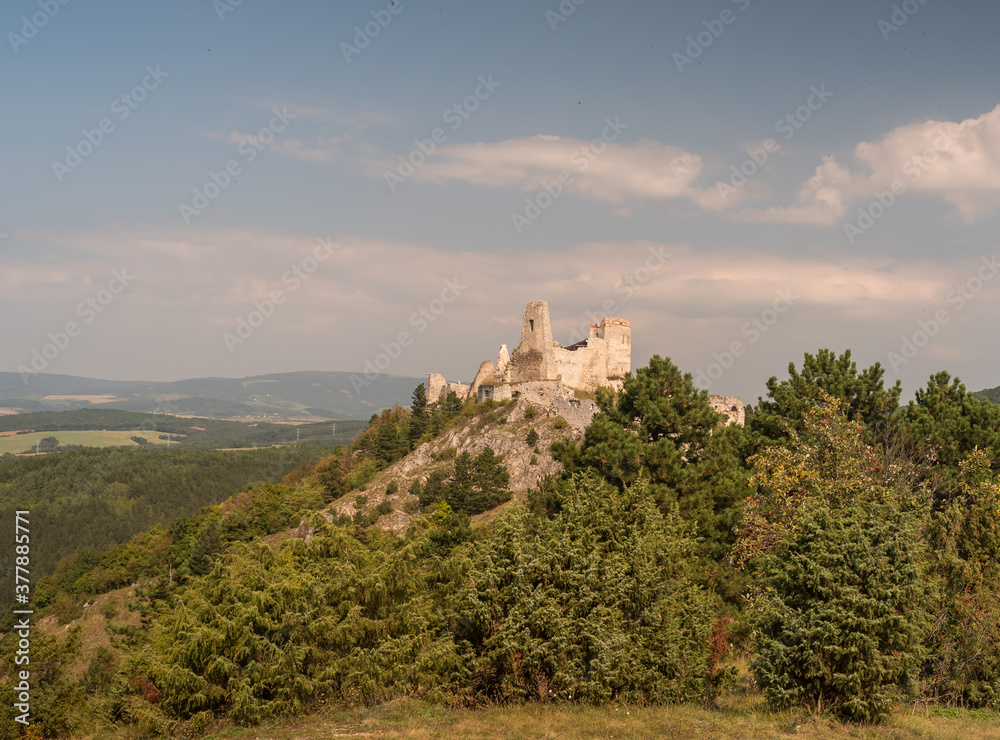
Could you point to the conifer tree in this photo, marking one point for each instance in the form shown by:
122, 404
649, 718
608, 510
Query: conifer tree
594, 604
947, 424
418, 416
662, 427
839, 621
863, 395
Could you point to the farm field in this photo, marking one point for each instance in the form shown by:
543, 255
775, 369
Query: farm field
18, 443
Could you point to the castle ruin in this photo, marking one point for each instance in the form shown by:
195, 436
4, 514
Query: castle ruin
541, 367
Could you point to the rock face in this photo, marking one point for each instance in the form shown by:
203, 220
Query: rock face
504, 429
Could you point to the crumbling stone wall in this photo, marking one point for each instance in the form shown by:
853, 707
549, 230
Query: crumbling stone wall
541, 368
586, 365
731, 406
438, 388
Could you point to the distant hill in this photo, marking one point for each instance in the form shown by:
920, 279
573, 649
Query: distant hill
305, 396
990, 394
179, 432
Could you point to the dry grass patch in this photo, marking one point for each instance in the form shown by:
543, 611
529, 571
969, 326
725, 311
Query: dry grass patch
737, 717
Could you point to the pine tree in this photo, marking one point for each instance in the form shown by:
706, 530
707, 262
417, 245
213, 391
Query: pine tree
331, 477
947, 424
662, 427
208, 545
419, 419
479, 483
863, 395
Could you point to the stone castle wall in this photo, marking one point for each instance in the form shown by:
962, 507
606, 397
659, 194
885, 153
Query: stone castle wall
542, 369
731, 406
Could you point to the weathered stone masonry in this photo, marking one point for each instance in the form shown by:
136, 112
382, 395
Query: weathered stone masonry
541, 369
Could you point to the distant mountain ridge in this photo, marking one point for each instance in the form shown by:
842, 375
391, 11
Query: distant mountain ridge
990, 394
307, 395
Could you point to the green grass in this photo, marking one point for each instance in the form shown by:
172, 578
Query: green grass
89, 438
739, 716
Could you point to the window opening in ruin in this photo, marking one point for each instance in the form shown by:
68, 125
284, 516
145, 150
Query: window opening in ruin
531, 324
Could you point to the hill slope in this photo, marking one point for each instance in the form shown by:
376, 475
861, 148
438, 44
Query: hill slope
989, 394
505, 430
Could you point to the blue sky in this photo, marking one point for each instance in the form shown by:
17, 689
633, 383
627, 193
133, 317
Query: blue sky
691, 91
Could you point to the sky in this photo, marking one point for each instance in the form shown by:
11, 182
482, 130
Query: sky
239, 187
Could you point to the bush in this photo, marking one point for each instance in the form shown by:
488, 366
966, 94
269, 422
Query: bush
560, 423
532, 438
268, 634
361, 475
67, 609
529, 413
964, 646
838, 623
593, 605
392, 488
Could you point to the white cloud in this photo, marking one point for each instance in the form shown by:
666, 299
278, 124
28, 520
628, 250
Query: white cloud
612, 173
822, 200
192, 285
959, 162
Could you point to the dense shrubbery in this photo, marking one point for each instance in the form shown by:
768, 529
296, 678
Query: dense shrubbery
875, 581
266, 634
839, 622
594, 604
